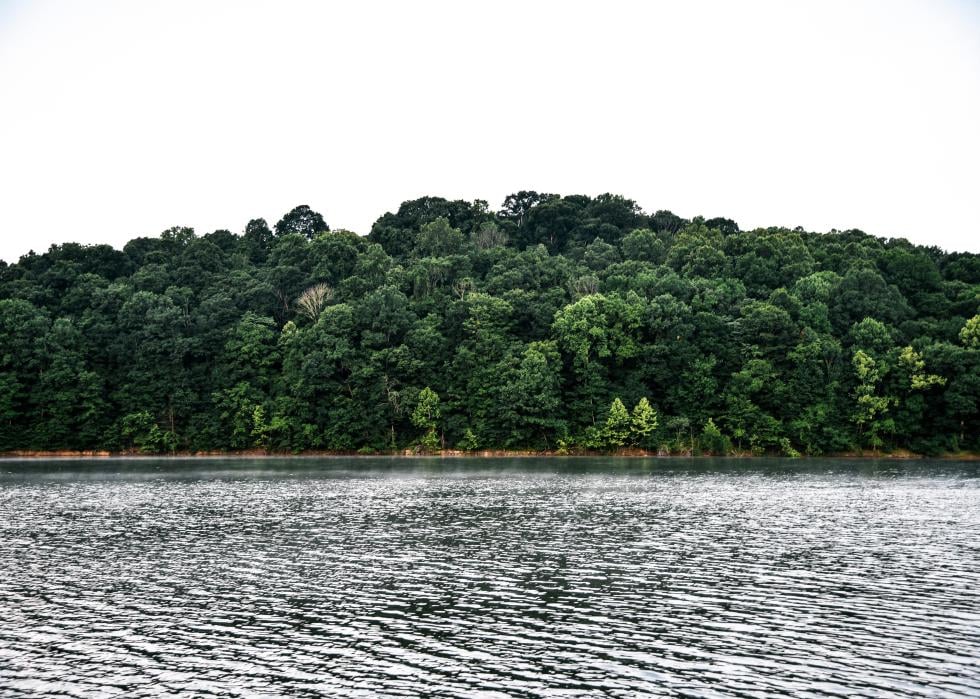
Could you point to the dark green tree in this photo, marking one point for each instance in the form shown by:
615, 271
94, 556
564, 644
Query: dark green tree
302, 220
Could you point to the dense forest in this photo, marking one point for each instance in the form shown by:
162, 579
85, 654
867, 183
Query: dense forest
563, 323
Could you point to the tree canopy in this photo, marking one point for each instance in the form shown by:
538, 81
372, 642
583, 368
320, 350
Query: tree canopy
554, 322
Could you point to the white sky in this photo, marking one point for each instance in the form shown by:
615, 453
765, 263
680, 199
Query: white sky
120, 119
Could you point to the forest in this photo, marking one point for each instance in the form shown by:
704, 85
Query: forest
566, 324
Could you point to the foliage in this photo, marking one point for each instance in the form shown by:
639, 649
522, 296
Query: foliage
426, 416
469, 442
713, 441
870, 415
970, 334
617, 428
303, 221
643, 423
530, 327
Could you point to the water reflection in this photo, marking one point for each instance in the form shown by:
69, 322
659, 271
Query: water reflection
522, 577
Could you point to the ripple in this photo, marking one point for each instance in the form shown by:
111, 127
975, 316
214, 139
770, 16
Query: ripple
506, 583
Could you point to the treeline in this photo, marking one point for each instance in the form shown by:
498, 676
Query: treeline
563, 323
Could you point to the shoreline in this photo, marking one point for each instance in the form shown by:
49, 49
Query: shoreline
451, 453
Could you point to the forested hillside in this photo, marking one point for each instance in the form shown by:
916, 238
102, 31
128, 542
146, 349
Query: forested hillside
561, 323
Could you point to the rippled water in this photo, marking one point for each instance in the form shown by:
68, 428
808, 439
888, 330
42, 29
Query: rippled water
492, 578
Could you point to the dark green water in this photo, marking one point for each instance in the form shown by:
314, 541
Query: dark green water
495, 578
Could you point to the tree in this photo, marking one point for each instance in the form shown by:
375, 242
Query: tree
517, 206
666, 221
398, 232
534, 396
550, 222
489, 235
529, 322
312, 301
426, 416
439, 239
770, 259
68, 399
724, 225
238, 406
143, 432
469, 442
643, 244
863, 293
970, 334
303, 221
683, 434
643, 423
713, 441
257, 240
23, 327
750, 404
616, 431
913, 363
871, 408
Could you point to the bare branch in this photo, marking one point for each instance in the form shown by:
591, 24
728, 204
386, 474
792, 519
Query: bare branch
312, 301
489, 235
583, 286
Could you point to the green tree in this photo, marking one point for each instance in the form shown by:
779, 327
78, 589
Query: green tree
469, 442
426, 416
439, 239
914, 365
528, 321
68, 400
643, 424
970, 334
140, 430
871, 411
534, 397
303, 221
23, 328
713, 441
616, 431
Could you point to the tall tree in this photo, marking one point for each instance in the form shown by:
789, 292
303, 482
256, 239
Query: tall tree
302, 220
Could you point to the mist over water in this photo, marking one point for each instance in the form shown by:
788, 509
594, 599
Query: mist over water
509, 577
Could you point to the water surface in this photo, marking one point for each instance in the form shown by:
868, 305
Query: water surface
495, 578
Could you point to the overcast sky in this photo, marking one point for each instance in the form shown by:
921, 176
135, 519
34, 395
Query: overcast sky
121, 119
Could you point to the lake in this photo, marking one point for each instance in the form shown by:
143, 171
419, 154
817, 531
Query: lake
489, 577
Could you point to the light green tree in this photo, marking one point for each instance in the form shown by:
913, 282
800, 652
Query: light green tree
264, 429
970, 333
617, 428
426, 416
643, 423
913, 363
469, 442
871, 407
